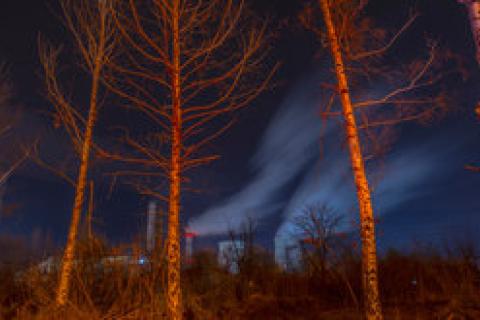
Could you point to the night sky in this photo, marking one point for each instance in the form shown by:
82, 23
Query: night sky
270, 165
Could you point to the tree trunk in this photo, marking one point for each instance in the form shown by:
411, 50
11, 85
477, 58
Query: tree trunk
69, 253
367, 224
174, 298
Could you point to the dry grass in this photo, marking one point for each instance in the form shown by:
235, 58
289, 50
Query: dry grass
420, 285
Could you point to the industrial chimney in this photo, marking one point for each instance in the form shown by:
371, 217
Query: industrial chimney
189, 236
151, 216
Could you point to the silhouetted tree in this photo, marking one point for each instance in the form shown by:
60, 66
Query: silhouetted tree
317, 227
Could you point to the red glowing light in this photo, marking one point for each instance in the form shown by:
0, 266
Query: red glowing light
189, 234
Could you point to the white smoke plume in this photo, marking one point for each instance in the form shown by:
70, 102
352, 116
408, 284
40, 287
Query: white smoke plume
290, 148
288, 145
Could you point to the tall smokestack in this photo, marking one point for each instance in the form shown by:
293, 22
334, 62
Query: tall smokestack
151, 215
189, 236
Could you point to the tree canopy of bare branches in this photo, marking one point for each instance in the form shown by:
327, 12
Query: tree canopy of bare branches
412, 92
317, 225
387, 89
185, 66
93, 32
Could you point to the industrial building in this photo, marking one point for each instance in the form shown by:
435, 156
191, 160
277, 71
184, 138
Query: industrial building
230, 253
286, 249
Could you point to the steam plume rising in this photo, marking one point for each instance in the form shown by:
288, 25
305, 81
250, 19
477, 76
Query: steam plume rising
289, 150
286, 148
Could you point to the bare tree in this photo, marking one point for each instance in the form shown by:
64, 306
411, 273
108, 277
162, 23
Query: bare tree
322, 245
317, 227
369, 256
412, 92
93, 31
185, 64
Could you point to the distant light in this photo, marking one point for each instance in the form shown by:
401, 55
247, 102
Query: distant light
141, 261
189, 233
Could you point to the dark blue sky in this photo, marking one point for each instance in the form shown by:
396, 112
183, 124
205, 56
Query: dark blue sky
439, 200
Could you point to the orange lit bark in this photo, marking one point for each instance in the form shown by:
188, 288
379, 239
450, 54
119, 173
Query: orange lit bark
69, 252
198, 52
174, 298
369, 256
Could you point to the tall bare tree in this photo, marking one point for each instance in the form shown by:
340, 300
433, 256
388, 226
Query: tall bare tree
369, 255
206, 57
93, 31
411, 92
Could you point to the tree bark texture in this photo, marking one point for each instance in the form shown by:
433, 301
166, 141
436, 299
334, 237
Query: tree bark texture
69, 253
174, 298
372, 304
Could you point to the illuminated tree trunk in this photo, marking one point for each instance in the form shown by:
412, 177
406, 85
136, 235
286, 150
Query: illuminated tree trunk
69, 253
174, 298
367, 224
197, 51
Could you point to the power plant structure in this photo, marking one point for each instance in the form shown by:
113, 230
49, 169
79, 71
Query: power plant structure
287, 251
229, 254
154, 238
151, 226
189, 237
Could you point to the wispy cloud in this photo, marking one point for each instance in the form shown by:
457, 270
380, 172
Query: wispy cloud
407, 173
287, 147
289, 151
